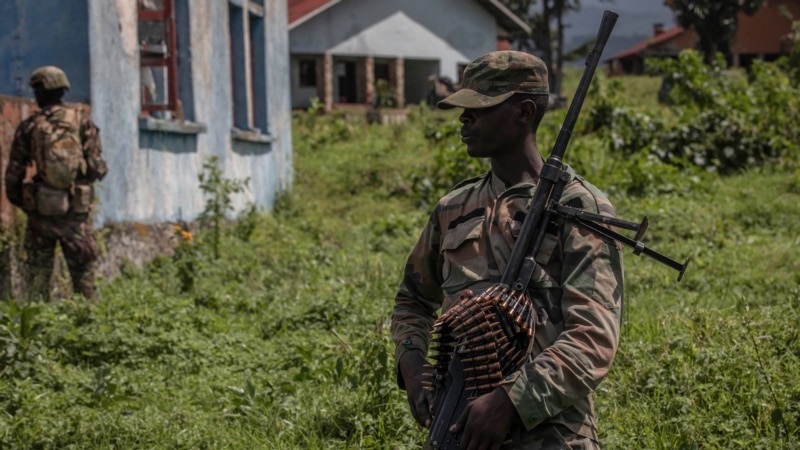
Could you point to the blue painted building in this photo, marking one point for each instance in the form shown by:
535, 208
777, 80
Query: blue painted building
169, 83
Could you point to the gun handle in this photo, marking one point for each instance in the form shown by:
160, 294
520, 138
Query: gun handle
449, 407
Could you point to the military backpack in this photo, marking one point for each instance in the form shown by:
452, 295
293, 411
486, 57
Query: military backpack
57, 149
58, 153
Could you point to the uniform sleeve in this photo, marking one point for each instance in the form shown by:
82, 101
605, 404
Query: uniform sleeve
18, 159
419, 296
581, 356
96, 167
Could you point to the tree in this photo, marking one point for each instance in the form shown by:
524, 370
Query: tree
714, 21
547, 36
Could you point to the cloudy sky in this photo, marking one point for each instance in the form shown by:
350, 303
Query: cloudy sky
635, 23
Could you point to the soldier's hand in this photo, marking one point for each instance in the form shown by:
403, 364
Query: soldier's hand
418, 374
486, 421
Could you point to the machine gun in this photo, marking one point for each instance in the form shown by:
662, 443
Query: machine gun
482, 339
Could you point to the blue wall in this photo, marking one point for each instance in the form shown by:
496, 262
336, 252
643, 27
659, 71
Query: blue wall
44, 32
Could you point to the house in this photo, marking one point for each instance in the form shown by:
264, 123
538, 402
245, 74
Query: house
169, 83
662, 44
342, 49
760, 36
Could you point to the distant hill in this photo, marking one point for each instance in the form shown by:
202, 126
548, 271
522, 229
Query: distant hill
635, 23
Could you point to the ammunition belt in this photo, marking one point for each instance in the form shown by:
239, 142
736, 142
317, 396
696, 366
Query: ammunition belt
492, 334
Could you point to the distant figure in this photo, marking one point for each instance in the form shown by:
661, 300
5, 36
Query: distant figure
55, 158
438, 89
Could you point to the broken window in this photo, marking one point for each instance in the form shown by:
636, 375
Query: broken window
159, 56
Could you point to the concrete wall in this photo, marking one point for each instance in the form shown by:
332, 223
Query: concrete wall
153, 165
411, 29
39, 33
152, 171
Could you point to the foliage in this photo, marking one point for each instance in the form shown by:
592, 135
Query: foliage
714, 21
283, 341
18, 331
791, 63
721, 121
384, 94
219, 190
546, 38
451, 165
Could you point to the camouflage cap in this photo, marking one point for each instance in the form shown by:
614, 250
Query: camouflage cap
496, 76
51, 77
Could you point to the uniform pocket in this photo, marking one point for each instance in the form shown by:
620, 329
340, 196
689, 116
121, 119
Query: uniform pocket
546, 293
81, 199
464, 263
51, 202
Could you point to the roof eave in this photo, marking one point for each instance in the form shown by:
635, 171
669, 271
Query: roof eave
505, 17
312, 14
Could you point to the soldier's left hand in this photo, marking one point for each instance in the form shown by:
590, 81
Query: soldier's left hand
486, 421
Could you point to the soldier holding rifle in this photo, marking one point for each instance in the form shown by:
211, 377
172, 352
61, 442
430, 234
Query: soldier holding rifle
576, 288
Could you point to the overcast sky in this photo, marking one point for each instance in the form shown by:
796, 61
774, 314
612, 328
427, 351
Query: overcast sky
635, 23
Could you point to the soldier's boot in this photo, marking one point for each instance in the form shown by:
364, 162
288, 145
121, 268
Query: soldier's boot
40, 271
82, 275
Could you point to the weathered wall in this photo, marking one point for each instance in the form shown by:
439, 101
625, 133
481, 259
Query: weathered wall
12, 111
123, 246
153, 175
39, 33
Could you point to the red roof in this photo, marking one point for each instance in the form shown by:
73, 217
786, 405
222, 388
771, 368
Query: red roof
301, 8
655, 40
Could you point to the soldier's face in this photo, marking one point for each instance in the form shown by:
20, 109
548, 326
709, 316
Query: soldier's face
491, 132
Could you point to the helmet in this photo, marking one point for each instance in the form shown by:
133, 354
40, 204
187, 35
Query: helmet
51, 77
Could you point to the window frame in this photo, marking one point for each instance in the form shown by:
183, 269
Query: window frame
168, 60
307, 72
247, 24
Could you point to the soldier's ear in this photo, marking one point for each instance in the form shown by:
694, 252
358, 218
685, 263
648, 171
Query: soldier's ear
527, 109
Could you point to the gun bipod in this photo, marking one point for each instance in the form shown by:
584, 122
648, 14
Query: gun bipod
592, 221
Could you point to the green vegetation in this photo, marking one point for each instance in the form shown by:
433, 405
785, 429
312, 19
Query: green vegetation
281, 342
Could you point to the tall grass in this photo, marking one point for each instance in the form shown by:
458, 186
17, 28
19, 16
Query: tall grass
283, 343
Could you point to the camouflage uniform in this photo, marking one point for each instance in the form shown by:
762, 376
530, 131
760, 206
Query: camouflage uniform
464, 249
72, 230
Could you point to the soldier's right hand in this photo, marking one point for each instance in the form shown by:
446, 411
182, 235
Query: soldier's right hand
418, 375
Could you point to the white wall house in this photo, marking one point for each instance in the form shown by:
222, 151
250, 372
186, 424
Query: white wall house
341, 48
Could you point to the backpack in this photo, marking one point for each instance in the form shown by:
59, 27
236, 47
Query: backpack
57, 149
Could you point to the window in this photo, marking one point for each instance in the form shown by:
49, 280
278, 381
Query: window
308, 73
248, 65
159, 56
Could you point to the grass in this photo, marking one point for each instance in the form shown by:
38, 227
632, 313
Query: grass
282, 342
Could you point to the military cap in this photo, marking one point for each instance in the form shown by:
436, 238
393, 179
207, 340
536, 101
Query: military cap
51, 77
496, 76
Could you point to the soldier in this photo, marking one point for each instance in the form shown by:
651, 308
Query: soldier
547, 403
55, 158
